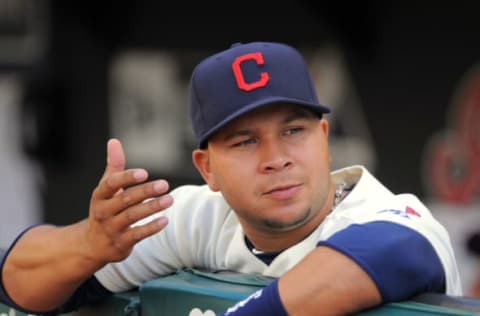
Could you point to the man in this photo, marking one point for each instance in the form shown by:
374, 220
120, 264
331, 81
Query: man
336, 242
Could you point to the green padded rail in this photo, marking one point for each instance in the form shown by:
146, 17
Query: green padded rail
180, 293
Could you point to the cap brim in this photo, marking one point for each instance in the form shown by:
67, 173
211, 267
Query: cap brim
315, 107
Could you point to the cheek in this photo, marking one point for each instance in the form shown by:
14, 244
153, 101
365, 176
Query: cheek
317, 161
228, 165
234, 179
234, 192
228, 174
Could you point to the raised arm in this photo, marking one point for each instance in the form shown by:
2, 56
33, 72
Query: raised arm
47, 263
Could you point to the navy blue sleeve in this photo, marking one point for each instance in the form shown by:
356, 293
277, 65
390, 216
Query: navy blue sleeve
3, 294
399, 260
265, 302
89, 292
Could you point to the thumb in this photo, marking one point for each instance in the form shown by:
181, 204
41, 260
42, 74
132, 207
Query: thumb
115, 156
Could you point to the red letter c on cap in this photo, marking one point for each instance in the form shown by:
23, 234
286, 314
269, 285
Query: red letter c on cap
237, 71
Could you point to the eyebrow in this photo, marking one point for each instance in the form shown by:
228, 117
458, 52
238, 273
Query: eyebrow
236, 133
297, 114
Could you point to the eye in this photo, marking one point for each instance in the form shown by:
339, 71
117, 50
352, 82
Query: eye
245, 142
294, 130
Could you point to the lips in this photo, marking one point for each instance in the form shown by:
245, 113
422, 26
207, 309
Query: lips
283, 192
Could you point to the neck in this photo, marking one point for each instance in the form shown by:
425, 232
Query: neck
270, 241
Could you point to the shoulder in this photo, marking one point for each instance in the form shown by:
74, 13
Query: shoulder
190, 201
198, 203
197, 196
370, 200
366, 193
362, 183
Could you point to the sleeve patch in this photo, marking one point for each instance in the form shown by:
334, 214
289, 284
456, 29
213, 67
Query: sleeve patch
408, 212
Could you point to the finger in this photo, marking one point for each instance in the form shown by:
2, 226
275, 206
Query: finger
115, 157
111, 184
140, 213
138, 233
109, 206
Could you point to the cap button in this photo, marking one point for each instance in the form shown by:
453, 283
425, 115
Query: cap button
236, 44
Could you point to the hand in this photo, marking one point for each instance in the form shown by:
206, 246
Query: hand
121, 199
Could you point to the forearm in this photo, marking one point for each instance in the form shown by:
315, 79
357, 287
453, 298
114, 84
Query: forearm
355, 269
329, 283
352, 270
325, 282
46, 265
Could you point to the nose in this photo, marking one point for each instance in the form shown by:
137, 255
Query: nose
274, 157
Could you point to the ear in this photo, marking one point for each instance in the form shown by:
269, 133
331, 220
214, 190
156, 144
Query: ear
201, 160
325, 127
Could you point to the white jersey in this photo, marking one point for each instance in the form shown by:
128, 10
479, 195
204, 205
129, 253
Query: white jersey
204, 232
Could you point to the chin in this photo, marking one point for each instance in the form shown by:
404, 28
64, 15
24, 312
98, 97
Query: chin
290, 223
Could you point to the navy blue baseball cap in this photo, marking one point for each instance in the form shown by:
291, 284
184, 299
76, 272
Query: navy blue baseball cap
243, 78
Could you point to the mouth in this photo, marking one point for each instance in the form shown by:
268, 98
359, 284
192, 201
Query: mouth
283, 192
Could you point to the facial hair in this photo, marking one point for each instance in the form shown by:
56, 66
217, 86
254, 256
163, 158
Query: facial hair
283, 226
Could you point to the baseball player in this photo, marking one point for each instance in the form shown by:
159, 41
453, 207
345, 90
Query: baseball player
336, 242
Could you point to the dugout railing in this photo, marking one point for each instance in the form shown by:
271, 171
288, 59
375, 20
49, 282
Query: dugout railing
193, 292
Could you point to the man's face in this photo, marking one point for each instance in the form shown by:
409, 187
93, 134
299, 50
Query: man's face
272, 165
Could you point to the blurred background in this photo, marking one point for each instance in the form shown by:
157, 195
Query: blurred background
402, 77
